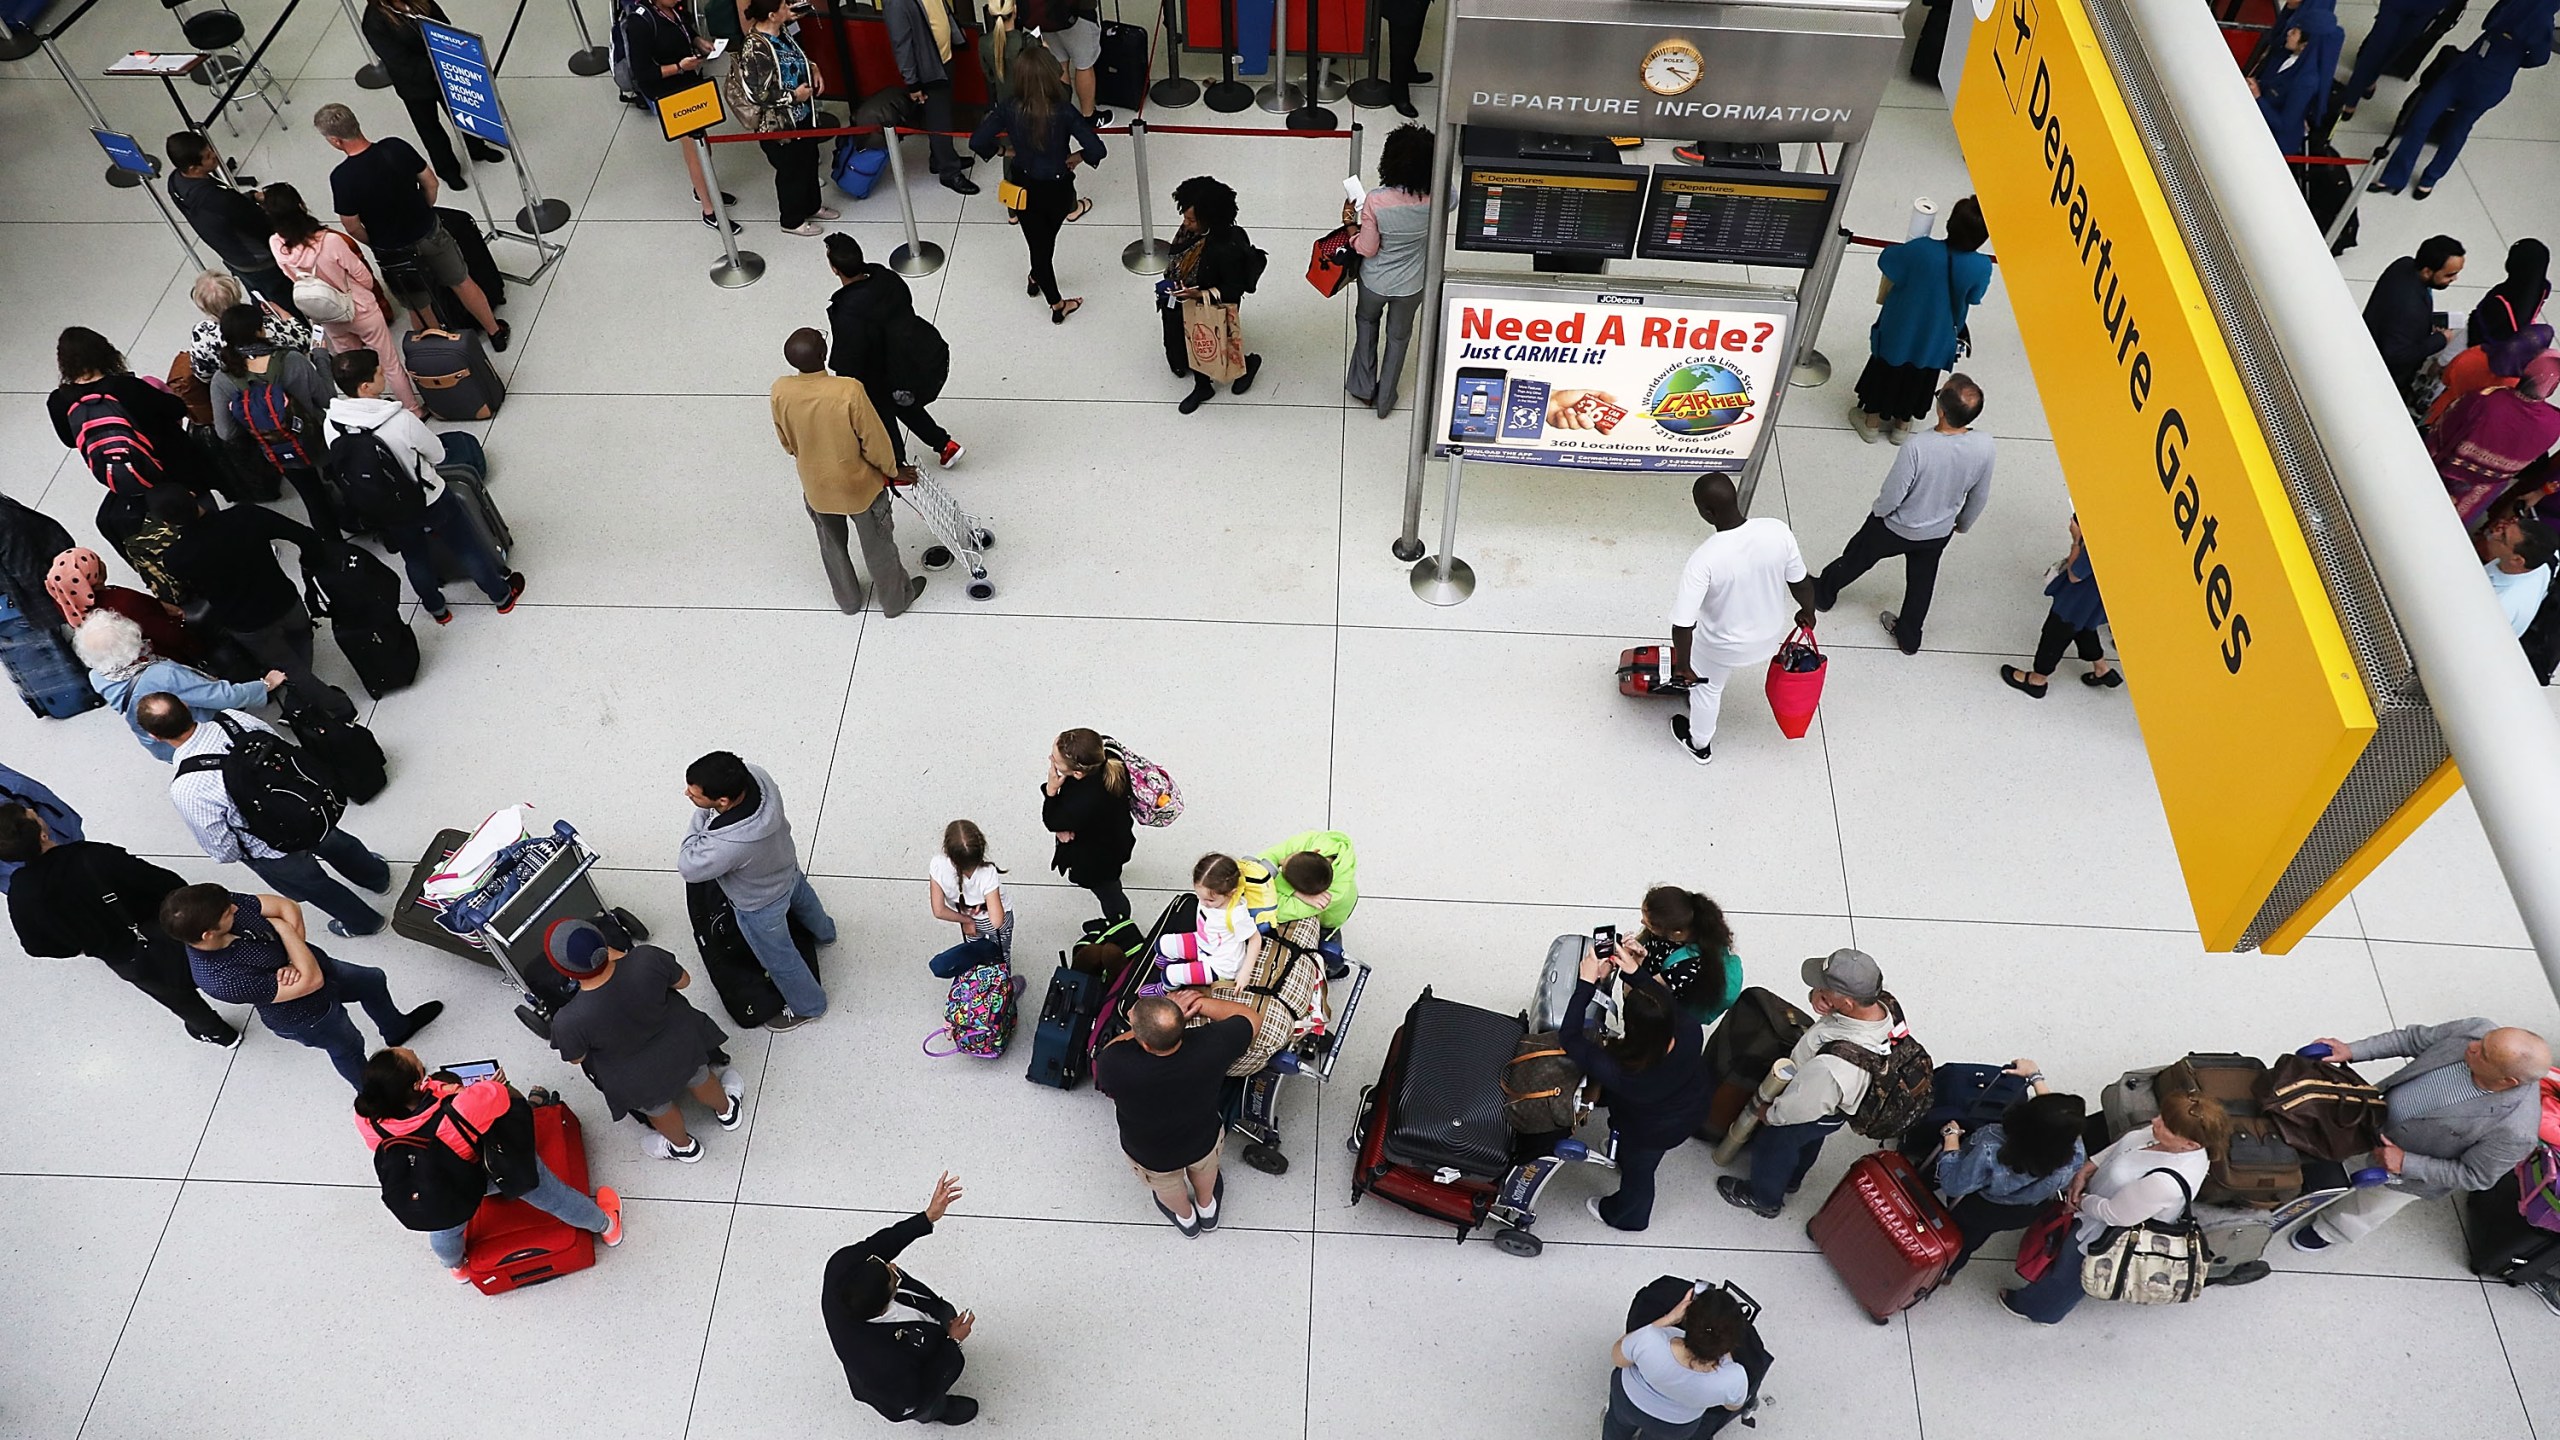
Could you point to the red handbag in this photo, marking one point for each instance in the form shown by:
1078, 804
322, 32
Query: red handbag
1795, 683
1331, 262
2042, 1243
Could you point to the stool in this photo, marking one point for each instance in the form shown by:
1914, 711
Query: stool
218, 34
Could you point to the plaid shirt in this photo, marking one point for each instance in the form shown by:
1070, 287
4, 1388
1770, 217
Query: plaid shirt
205, 804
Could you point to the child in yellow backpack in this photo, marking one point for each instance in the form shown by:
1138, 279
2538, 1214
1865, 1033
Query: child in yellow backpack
1237, 899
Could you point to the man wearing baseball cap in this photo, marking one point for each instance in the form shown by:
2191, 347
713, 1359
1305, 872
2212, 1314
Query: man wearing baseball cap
641, 1042
1849, 1000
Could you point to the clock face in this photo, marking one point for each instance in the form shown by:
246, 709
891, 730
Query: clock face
1671, 67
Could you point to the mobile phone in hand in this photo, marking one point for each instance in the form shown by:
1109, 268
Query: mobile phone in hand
1604, 941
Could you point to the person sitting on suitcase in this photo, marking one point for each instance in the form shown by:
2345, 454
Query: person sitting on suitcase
1235, 916
741, 837
71, 896
212, 814
1848, 1000
643, 1044
2002, 1175
387, 462
1652, 1078
249, 950
1168, 1088
398, 1097
2464, 1111
898, 1341
1672, 1373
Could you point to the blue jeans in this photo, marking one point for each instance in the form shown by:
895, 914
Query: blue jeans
299, 877
965, 956
2470, 90
447, 522
550, 1194
2057, 1292
345, 985
768, 933
1782, 1155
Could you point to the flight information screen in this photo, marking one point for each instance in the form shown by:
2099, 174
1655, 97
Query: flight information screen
1737, 217
1550, 207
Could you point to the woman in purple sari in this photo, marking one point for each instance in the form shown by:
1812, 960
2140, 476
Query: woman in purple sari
2488, 438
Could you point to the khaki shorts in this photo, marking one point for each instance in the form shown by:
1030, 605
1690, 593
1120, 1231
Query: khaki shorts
1188, 1175
436, 257
1078, 46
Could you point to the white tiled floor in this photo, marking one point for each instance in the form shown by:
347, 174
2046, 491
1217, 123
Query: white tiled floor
188, 1241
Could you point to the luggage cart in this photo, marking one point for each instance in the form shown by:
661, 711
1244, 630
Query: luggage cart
958, 530
538, 883
1255, 1110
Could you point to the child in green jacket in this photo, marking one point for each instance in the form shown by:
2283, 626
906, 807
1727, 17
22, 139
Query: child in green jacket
1315, 878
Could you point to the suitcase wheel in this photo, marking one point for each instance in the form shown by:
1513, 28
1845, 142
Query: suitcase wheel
631, 923
1518, 1242
1267, 1159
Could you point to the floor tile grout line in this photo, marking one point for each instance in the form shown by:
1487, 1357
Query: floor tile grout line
2507, 1353
711, 1311
844, 709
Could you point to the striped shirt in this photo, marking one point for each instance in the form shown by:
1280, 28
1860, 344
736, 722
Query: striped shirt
205, 804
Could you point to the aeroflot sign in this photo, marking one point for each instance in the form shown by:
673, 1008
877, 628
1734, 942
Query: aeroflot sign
2248, 695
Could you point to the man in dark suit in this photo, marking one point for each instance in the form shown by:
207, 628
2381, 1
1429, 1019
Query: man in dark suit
899, 1342
2401, 312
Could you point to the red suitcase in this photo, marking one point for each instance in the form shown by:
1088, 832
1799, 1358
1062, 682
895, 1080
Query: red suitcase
1462, 1202
1642, 670
511, 1244
1885, 1232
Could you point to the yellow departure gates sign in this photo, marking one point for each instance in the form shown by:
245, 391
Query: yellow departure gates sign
2245, 685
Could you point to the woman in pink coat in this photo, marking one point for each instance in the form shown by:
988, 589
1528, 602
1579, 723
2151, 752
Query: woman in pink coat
306, 249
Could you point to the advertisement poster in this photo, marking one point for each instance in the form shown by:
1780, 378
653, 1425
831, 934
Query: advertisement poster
1608, 381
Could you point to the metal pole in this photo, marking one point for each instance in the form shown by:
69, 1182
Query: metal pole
117, 175
540, 216
174, 227
1357, 129
370, 75
739, 268
1279, 96
1229, 94
918, 256
1812, 367
589, 58
2355, 197
1445, 579
1435, 269
1173, 92
1372, 92
1310, 114
1145, 255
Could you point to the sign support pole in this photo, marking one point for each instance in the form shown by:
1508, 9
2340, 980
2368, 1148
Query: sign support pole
370, 75
737, 268
918, 256
470, 91
1145, 255
1435, 273
1812, 367
589, 58
1446, 579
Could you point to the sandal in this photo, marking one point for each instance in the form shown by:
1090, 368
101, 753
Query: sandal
1059, 312
1084, 207
2016, 679
1030, 284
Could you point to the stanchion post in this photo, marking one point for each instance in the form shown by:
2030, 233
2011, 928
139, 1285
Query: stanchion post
370, 75
1145, 255
1174, 92
1279, 97
1372, 92
1812, 367
918, 256
117, 175
1357, 129
1435, 269
1309, 113
736, 268
1230, 94
1444, 579
589, 58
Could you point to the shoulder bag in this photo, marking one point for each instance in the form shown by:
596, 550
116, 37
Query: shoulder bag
2158, 1262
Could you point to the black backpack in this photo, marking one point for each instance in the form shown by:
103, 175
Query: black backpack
276, 788
919, 359
425, 1184
385, 493
1901, 1084
2541, 639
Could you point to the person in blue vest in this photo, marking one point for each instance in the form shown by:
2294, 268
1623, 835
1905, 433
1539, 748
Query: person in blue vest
60, 820
2515, 36
2293, 88
2397, 27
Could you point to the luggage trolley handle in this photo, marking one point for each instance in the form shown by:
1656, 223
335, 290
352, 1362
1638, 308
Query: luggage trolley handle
586, 859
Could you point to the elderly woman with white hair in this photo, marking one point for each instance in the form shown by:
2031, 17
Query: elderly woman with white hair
122, 669
215, 292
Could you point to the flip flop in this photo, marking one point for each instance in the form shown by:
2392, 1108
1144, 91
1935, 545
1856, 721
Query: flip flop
1084, 207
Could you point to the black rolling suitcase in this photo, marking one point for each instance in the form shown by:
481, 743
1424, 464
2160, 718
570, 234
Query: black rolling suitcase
412, 919
50, 678
2328, 188
746, 991
1727, 1301
360, 598
2413, 54
2503, 1247
1120, 75
1447, 1107
473, 494
452, 370
476, 259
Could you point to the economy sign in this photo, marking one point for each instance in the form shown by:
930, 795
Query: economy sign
1620, 381
2248, 694
462, 73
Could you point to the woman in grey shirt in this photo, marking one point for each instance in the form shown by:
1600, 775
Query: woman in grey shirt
1672, 1374
1394, 239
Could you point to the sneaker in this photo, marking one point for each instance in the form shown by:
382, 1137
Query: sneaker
1738, 1194
1190, 1228
1208, 1214
805, 227
1892, 624
712, 222
226, 1037
1864, 424
787, 1021
461, 1273
1101, 117
2309, 1240
610, 1202
957, 1410
443, 617
827, 212
2546, 1291
950, 453
1703, 754
1897, 433
1593, 1205
515, 592
2021, 1314
690, 1152
736, 1112
413, 1022
506, 332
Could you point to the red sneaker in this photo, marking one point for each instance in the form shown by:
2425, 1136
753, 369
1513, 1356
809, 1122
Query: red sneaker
515, 591
951, 453
610, 1202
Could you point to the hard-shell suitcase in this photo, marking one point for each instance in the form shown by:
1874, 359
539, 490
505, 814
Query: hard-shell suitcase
1456, 1198
746, 991
1556, 980
453, 373
1646, 670
1886, 1234
1448, 1094
2503, 1246
360, 598
1120, 75
50, 678
1058, 1054
413, 919
348, 755
467, 487
509, 1244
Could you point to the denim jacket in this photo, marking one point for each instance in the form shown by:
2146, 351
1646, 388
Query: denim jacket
1976, 1170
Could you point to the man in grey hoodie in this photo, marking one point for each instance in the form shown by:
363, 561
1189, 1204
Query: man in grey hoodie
741, 838
1848, 995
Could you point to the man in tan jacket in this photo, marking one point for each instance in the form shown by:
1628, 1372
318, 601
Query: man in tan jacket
826, 423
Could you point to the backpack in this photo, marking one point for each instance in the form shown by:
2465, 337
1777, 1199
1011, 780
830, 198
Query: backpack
277, 790
919, 359
978, 1016
1154, 800
102, 430
1900, 1085
385, 493
2541, 639
321, 302
626, 80
264, 410
1261, 260
425, 1184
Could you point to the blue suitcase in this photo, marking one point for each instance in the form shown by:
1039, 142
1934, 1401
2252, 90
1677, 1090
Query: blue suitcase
1067, 1012
50, 678
1970, 1095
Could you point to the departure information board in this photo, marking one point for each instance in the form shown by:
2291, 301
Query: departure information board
1552, 207
1737, 217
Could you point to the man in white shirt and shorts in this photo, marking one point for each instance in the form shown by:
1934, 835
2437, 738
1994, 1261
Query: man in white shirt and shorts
1732, 607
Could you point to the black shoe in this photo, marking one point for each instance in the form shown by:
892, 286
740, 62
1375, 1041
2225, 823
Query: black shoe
959, 183
1418, 77
1252, 367
728, 199
1738, 1194
1202, 387
1100, 117
957, 1410
226, 1037
506, 332
413, 1022
1218, 1198
2378, 188
2016, 679
2110, 680
712, 222
454, 181
1403, 104
486, 153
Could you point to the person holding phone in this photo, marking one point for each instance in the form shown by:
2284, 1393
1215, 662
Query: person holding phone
667, 56
1213, 260
898, 1341
397, 1097
1652, 1075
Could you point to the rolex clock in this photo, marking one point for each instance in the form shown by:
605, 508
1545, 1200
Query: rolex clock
1672, 67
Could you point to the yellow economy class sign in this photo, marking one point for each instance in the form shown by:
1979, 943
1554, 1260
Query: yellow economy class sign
690, 111
2247, 691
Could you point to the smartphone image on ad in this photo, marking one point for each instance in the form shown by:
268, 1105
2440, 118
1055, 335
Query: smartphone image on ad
1477, 416
1524, 414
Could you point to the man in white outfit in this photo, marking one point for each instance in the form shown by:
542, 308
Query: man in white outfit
1731, 610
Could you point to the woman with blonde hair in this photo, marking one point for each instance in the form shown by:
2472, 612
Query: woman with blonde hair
305, 249
2149, 1174
214, 292
1085, 806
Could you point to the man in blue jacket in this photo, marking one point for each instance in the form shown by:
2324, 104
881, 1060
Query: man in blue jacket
2516, 36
